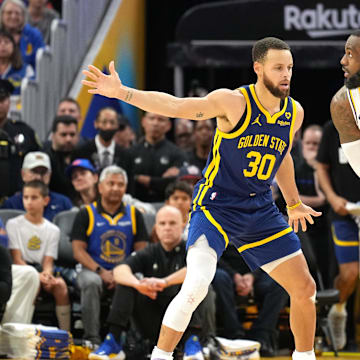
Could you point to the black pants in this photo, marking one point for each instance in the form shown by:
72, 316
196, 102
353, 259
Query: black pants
147, 313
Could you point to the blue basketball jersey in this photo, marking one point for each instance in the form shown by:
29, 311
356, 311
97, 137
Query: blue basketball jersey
110, 239
243, 163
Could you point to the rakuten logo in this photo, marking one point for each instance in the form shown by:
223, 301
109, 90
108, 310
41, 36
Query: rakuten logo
321, 22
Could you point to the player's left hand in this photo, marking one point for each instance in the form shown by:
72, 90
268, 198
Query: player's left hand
302, 213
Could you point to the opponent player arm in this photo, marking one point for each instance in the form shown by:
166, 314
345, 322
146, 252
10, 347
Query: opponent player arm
215, 104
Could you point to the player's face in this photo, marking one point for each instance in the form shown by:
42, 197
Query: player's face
33, 201
351, 62
276, 72
112, 188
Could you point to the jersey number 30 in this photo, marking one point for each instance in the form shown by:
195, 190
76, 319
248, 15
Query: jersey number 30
258, 164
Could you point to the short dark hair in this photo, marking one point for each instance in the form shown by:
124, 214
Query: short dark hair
261, 47
106, 108
37, 184
63, 119
180, 186
70, 100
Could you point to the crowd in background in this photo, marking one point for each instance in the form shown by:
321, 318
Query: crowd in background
113, 183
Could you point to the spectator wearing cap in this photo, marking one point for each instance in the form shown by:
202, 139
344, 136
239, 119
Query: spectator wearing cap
64, 139
156, 160
12, 67
103, 151
203, 135
13, 14
84, 179
190, 174
41, 17
19, 137
37, 165
125, 135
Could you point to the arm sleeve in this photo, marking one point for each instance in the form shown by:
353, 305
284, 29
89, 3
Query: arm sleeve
81, 223
141, 232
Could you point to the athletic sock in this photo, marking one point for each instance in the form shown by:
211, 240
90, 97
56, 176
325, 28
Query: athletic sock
304, 355
158, 354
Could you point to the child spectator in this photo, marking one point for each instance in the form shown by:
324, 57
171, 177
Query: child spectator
34, 241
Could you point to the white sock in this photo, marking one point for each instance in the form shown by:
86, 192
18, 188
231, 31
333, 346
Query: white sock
63, 314
340, 307
303, 355
158, 354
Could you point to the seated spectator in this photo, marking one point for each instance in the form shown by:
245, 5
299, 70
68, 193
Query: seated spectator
203, 134
64, 138
162, 267
125, 135
37, 165
21, 139
156, 160
12, 67
103, 151
184, 134
13, 14
5, 278
84, 179
40, 16
104, 234
25, 285
35, 240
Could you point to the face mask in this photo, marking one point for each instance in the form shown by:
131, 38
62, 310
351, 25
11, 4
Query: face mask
107, 135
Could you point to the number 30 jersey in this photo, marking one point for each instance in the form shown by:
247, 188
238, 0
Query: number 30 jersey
243, 163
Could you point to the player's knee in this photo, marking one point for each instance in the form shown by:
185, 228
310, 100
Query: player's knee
305, 291
193, 293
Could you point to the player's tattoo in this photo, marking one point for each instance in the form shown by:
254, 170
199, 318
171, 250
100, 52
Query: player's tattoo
129, 95
199, 115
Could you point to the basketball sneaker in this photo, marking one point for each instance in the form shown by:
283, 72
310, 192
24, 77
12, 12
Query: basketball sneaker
337, 322
193, 349
109, 349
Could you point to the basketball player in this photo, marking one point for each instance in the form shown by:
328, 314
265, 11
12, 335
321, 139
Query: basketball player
233, 201
345, 105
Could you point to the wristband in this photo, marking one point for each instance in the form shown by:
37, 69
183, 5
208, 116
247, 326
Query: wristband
294, 206
98, 270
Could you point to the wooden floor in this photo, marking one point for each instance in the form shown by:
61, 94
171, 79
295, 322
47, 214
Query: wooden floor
347, 356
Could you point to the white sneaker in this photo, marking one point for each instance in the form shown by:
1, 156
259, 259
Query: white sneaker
337, 322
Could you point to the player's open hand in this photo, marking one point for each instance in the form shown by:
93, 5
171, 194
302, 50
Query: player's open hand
301, 214
100, 83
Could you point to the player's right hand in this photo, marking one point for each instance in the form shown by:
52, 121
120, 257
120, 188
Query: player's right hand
102, 84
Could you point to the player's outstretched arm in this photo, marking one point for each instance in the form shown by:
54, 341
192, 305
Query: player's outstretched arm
212, 105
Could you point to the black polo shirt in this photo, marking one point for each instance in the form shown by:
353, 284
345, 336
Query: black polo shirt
155, 261
81, 223
154, 160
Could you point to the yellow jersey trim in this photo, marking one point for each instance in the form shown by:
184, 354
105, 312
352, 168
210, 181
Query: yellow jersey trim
244, 126
270, 119
208, 171
114, 220
91, 220
291, 135
266, 240
214, 173
342, 242
216, 224
133, 219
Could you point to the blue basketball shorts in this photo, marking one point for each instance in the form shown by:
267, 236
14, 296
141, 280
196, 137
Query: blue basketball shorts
345, 235
261, 235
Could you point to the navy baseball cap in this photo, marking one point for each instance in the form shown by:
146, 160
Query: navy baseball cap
189, 172
80, 163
